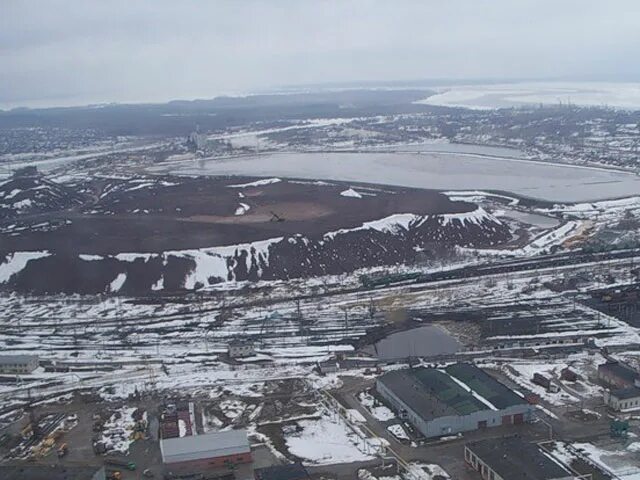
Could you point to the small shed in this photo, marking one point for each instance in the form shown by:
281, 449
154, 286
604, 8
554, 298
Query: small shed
569, 375
241, 349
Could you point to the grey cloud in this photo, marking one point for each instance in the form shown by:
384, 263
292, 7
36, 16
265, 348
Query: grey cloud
97, 51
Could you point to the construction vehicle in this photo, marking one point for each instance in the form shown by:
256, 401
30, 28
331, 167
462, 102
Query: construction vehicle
275, 217
619, 428
120, 462
63, 450
48, 442
27, 431
113, 474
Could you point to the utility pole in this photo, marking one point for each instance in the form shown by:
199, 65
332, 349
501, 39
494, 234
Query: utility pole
346, 318
372, 308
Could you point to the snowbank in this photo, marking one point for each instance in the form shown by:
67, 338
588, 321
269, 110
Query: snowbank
350, 193
15, 262
257, 183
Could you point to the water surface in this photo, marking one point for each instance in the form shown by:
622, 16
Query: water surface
441, 171
418, 342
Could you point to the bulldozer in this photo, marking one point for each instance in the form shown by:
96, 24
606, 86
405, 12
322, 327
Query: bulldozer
275, 217
63, 450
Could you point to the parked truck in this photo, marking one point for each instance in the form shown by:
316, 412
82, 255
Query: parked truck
113, 474
63, 450
120, 462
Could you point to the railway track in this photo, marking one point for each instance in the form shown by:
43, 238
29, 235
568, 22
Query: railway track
543, 262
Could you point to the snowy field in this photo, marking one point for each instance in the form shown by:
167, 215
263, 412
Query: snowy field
327, 440
455, 171
617, 95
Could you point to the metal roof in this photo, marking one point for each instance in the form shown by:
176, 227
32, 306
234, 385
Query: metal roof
511, 457
48, 472
620, 370
5, 359
626, 393
294, 471
431, 393
209, 445
485, 385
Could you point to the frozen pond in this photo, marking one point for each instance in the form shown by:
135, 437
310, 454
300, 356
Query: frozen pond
446, 147
536, 219
441, 171
418, 342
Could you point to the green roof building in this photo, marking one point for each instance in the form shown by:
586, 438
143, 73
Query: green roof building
459, 398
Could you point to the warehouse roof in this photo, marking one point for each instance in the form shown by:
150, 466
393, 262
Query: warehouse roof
626, 393
431, 393
620, 370
485, 385
209, 445
293, 471
5, 359
511, 457
53, 472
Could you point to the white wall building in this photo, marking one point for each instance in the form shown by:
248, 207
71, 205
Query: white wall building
18, 364
623, 399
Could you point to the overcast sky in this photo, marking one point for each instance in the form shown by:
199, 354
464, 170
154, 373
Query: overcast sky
74, 52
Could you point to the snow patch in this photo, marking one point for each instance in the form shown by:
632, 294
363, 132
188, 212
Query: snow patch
117, 282
398, 431
159, 285
257, 183
15, 262
26, 203
89, 258
350, 193
242, 209
477, 217
324, 442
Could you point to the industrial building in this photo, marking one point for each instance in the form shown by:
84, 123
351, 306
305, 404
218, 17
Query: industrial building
51, 472
623, 399
459, 398
510, 458
211, 450
535, 341
618, 375
18, 364
293, 471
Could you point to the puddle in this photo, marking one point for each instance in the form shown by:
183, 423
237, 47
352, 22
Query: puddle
420, 342
535, 219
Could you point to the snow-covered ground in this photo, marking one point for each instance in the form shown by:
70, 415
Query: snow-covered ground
615, 458
398, 431
507, 95
15, 262
327, 440
584, 365
116, 433
377, 410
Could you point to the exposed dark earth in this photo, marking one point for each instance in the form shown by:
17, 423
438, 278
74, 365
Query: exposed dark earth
175, 233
